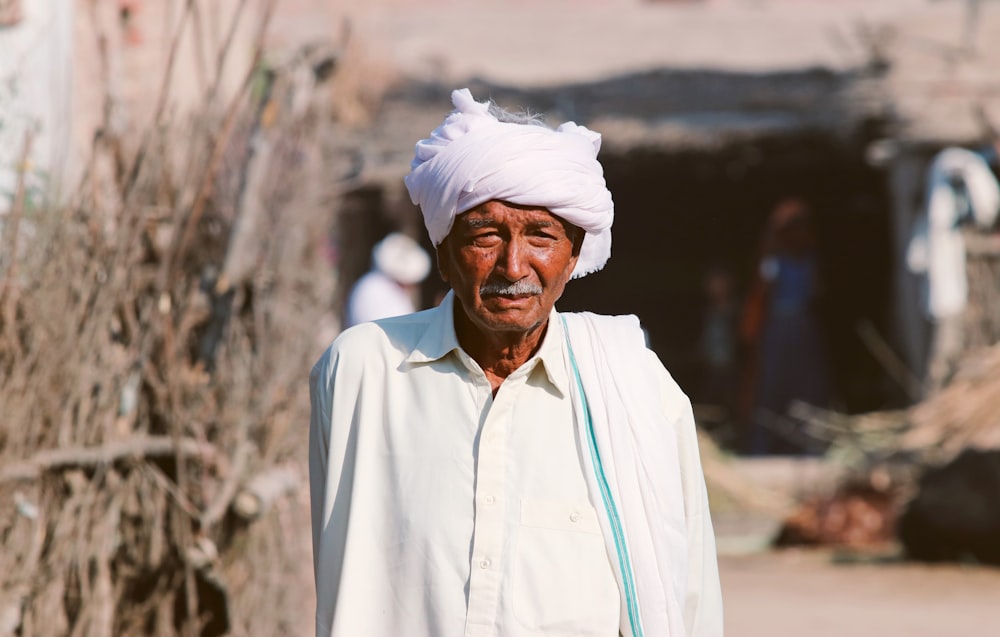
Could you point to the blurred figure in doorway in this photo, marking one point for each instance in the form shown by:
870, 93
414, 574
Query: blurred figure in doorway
719, 346
782, 331
962, 195
127, 10
388, 288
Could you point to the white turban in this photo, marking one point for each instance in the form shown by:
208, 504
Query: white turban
473, 158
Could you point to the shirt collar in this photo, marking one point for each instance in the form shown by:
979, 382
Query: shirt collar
551, 354
439, 340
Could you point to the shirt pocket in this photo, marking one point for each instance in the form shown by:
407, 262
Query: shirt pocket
563, 583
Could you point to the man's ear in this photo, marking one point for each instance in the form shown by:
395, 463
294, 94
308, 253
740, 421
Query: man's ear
443, 260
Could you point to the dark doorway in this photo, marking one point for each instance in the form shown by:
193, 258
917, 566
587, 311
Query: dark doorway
678, 214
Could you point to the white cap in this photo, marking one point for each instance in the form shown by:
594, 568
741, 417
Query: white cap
401, 259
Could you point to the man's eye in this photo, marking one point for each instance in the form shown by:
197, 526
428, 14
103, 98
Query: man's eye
485, 238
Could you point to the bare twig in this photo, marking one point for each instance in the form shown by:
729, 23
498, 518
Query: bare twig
199, 45
892, 364
75, 457
211, 93
161, 103
190, 223
218, 146
223, 52
217, 509
257, 495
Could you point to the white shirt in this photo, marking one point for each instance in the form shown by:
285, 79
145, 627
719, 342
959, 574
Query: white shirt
376, 296
440, 511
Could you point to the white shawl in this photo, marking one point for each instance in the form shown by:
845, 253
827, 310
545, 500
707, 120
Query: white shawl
634, 470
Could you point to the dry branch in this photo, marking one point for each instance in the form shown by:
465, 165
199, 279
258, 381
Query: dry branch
257, 496
964, 414
893, 365
138, 447
223, 52
214, 513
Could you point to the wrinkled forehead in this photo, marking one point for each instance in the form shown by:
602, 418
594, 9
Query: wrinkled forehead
505, 213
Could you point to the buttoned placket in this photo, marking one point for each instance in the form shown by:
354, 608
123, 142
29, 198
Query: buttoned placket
486, 570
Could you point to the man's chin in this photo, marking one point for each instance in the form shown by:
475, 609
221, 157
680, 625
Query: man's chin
509, 320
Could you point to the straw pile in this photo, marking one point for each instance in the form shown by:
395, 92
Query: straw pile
966, 413
884, 454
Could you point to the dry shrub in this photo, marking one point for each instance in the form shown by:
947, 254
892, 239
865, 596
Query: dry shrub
155, 341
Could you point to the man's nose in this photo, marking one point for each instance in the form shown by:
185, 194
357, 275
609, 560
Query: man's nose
514, 260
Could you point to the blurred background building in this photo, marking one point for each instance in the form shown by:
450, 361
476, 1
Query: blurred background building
712, 112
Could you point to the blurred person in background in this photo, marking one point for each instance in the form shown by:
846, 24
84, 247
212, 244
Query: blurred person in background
492, 466
399, 264
782, 328
127, 10
962, 192
719, 346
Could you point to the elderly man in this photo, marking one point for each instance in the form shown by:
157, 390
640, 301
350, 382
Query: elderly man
492, 466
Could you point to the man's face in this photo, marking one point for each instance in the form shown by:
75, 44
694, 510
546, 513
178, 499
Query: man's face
508, 264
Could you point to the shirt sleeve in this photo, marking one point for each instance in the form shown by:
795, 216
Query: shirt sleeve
332, 391
703, 616
319, 445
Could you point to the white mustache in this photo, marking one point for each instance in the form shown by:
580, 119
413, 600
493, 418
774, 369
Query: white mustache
518, 288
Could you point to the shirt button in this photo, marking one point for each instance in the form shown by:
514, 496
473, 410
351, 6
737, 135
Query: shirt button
574, 517
490, 499
485, 564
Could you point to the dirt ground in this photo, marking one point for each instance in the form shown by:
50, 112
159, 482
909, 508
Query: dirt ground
825, 593
799, 593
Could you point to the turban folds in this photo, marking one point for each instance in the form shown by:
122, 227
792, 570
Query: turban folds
473, 158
